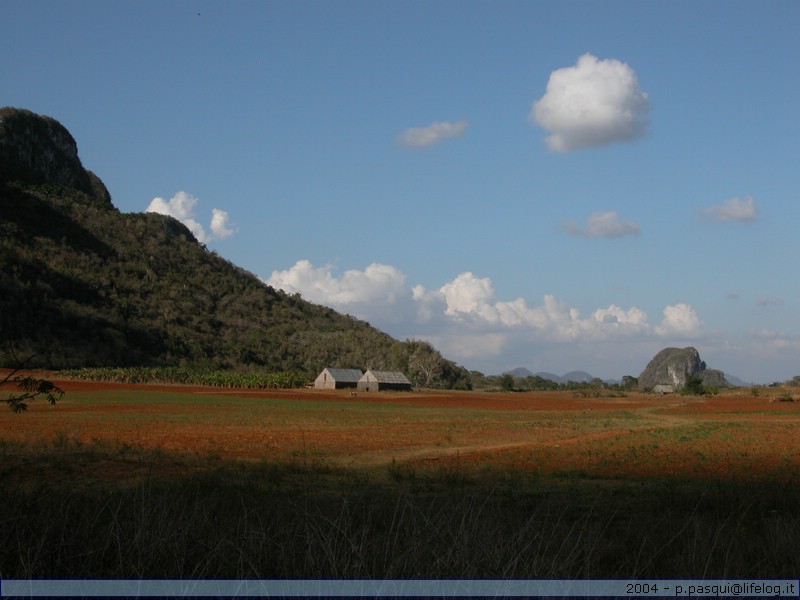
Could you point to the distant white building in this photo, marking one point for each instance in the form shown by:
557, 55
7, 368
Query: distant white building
375, 381
663, 389
336, 379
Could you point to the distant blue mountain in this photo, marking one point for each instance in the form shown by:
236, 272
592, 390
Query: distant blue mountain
577, 377
519, 372
735, 381
549, 376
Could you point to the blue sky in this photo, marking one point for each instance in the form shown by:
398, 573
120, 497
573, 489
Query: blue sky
551, 185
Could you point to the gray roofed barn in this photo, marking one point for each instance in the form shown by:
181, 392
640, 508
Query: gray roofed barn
335, 379
374, 381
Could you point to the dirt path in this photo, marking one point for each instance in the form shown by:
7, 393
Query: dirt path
432, 453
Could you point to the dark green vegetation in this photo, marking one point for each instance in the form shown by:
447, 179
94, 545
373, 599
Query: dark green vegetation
83, 285
536, 383
178, 375
229, 519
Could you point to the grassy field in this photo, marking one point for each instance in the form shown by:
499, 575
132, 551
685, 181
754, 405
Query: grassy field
166, 481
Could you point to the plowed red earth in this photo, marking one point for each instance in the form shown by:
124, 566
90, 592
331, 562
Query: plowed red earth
731, 436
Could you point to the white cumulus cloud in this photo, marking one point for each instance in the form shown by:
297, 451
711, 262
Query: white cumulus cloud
470, 295
423, 137
468, 323
182, 206
680, 321
615, 320
221, 226
734, 209
466, 309
606, 224
595, 103
377, 292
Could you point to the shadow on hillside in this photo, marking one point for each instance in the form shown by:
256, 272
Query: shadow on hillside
31, 214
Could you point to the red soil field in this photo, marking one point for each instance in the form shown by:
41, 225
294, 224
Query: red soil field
731, 436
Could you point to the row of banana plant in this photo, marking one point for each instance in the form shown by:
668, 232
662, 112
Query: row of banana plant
180, 375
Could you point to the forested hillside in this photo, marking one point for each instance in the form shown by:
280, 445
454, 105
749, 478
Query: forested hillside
82, 284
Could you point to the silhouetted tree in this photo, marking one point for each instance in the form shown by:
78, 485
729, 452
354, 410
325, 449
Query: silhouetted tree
28, 388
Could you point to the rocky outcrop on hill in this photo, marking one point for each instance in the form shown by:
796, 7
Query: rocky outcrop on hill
36, 149
671, 366
714, 378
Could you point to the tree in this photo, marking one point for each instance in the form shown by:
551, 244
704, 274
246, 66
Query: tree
693, 386
424, 363
28, 388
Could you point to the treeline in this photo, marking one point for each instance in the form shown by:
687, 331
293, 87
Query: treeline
179, 375
419, 360
535, 383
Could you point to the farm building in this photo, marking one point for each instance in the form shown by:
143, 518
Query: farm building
375, 381
336, 379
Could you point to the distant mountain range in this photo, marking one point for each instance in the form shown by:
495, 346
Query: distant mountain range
584, 377
574, 376
736, 382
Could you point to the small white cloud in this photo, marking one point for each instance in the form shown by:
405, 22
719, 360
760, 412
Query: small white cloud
182, 207
423, 137
595, 103
764, 301
221, 226
735, 209
681, 321
606, 224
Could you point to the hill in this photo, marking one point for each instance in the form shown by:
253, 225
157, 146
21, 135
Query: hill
572, 376
672, 367
519, 372
82, 284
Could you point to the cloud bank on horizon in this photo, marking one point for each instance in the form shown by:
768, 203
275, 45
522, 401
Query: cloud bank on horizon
465, 319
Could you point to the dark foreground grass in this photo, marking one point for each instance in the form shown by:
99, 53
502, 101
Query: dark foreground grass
69, 512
